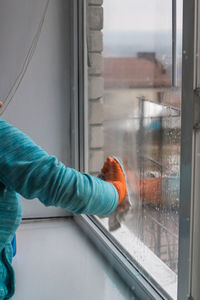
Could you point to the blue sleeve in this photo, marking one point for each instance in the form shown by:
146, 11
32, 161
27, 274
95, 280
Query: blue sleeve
31, 172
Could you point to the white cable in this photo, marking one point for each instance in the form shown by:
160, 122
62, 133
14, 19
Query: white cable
26, 63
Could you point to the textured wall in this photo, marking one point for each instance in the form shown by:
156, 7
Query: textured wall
95, 85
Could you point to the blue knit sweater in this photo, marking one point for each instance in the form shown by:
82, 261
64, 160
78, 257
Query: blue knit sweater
28, 170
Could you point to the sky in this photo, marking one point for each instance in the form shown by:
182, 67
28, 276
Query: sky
140, 15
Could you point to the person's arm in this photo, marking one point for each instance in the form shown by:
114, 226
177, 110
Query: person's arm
31, 172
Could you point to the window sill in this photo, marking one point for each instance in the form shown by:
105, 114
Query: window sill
125, 265
151, 263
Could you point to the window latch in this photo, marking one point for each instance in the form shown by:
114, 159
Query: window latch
197, 108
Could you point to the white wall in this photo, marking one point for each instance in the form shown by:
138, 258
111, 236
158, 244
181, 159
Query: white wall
41, 105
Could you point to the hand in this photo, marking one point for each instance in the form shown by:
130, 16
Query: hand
114, 174
1, 104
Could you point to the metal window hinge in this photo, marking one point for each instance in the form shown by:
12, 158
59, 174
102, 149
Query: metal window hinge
197, 108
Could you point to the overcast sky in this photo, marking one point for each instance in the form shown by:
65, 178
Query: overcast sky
140, 15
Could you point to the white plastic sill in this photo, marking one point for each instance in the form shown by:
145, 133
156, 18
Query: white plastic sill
56, 260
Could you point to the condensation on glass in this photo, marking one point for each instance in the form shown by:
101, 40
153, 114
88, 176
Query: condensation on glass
142, 125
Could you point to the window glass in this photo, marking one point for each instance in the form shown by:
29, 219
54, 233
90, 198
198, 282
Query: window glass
135, 114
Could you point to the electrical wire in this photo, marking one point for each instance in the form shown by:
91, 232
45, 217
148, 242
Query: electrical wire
26, 63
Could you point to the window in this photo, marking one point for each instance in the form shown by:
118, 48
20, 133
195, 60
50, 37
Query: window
134, 112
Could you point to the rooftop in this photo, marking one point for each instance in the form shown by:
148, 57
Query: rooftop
135, 72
